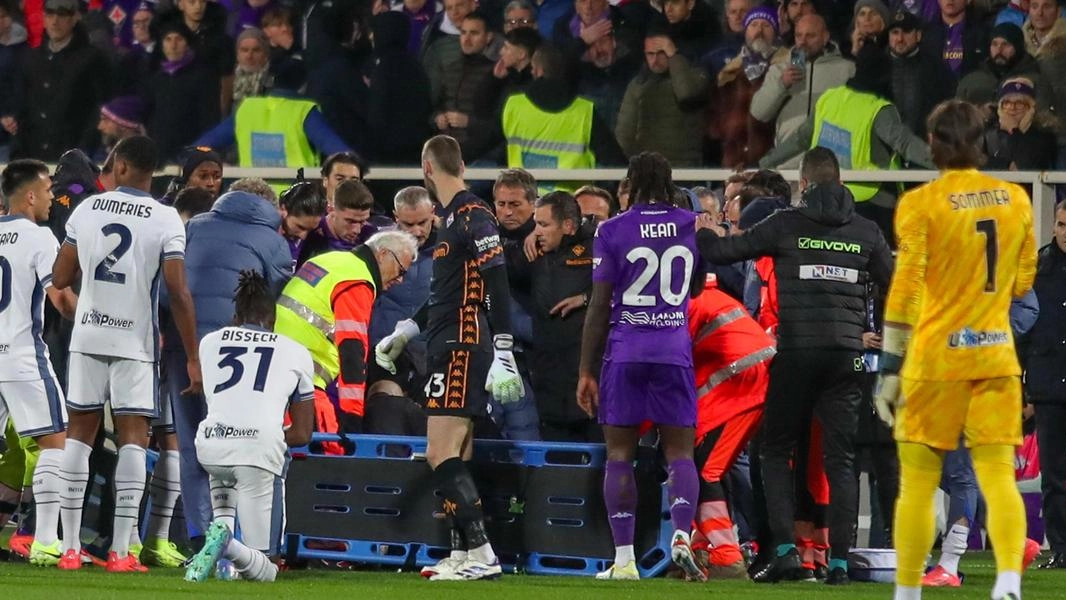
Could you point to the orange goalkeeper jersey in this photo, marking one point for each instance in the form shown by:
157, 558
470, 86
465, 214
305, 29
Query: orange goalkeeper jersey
966, 247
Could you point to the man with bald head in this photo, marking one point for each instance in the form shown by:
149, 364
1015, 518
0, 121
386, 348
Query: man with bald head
791, 89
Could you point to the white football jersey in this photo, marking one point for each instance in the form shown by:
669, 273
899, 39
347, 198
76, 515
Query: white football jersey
250, 376
27, 253
122, 237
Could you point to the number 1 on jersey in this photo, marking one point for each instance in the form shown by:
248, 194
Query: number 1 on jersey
987, 227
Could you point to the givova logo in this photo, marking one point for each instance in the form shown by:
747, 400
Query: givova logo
969, 338
806, 243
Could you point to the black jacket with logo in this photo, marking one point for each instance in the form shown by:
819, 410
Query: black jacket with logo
824, 255
556, 350
1045, 368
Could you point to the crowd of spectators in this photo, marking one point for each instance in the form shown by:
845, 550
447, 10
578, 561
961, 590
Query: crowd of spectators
704, 82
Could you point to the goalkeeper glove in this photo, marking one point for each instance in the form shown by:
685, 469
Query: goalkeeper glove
392, 345
887, 396
503, 380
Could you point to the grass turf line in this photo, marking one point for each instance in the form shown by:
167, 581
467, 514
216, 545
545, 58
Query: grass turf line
22, 581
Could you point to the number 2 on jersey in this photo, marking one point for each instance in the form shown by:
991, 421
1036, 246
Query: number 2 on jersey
987, 228
5, 283
230, 356
125, 240
664, 266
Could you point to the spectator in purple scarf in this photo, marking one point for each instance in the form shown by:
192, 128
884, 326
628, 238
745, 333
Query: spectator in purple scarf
419, 13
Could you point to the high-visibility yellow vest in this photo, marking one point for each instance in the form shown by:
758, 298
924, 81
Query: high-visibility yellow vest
844, 124
547, 140
270, 132
305, 313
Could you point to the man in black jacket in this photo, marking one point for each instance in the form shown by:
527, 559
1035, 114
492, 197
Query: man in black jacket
920, 80
824, 254
560, 278
64, 81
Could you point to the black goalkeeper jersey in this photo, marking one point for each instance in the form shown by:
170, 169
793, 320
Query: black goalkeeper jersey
468, 242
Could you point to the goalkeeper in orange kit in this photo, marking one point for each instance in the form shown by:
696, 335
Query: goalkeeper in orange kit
948, 366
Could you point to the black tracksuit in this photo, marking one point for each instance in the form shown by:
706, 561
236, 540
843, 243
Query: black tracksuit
1045, 383
556, 348
824, 255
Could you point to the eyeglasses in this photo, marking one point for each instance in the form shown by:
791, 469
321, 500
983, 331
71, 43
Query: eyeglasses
1014, 103
519, 21
399, 265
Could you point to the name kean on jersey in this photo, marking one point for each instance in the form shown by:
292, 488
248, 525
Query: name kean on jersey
121, 207
969, 338
236, 335
806, 243
9, 238
982, 199
658, 230
829, 273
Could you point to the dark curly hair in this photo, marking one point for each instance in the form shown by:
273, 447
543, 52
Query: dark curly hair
254, 300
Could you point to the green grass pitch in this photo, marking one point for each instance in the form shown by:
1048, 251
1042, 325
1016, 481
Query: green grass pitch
19, 581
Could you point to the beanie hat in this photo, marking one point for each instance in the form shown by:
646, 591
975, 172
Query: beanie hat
877, 5
197, 156
127, 111
173, 25
765, 13
1011, 33
1018, 85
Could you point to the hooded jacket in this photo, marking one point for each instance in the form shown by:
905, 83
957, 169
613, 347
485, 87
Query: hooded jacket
239, 232
824, 255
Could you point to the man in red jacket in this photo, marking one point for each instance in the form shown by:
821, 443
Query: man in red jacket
732, 355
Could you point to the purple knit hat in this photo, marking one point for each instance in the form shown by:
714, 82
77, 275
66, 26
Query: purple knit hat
765, 13
127, 111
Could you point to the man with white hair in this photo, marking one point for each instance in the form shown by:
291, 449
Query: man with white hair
326, 307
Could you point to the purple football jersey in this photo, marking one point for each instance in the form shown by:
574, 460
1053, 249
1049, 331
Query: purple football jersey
649, 255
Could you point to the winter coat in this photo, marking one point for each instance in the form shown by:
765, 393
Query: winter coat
1032, 150
974, 41
744, 139
12, 50
468, 86
181, 104
398, 99
660, 112
60, 100
239, 232
920, 82
1051, 56
821, 287
788, 107
982, 86
606, 87
1045, 365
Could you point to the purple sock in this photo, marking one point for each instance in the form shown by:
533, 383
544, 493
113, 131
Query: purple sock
620, 496
684, 488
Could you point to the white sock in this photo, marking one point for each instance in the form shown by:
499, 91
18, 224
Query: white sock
483, 554
165, 489
953, 547
46, 487
252, 564
623, 555
129, 489
458, 555
75, 473
906, 592
1007, 582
